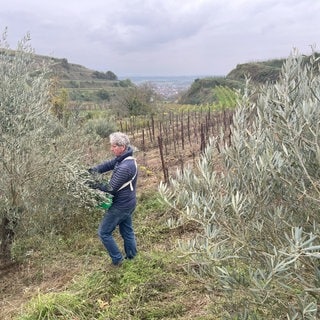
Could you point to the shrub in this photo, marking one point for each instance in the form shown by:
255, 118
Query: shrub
259, 240
103, 94
101, 126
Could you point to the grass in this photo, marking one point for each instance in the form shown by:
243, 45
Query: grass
71, 277
150, 287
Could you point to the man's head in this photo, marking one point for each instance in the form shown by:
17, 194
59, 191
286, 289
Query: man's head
119, 143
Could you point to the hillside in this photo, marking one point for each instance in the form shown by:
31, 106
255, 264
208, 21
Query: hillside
67, 71
85, 85
201, 90
259, 72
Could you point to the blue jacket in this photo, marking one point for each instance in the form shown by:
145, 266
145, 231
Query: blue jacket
123, 171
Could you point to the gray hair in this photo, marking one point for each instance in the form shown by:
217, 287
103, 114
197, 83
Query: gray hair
119, 139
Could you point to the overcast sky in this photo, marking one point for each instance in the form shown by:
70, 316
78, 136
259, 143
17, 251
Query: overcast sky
164, 37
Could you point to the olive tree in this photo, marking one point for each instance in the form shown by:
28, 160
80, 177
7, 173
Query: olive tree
257, 239
42, 179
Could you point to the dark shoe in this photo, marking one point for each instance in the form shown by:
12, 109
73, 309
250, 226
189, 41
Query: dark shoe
119, 264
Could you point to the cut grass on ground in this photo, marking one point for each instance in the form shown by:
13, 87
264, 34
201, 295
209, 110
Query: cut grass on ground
71, 277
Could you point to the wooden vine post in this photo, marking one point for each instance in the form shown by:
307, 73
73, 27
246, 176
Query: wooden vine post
164, 168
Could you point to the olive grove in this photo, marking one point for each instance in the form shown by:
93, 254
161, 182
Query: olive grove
257, 242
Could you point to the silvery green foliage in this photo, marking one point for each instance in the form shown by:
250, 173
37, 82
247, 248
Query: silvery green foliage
101, 127
42, 180
259, 217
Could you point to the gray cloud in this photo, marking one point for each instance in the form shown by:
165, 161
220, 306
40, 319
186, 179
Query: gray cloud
164, 37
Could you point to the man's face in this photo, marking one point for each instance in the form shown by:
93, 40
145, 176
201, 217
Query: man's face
117, 150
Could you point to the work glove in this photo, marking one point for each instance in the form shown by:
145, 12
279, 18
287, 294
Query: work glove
97, 185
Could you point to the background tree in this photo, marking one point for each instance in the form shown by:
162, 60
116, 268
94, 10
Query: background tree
42, 179
103, 94
137, 100
59, 100
111, 76
258, 219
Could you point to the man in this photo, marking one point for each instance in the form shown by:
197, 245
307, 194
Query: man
122, 186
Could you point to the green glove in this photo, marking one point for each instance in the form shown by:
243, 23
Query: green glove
106, 203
